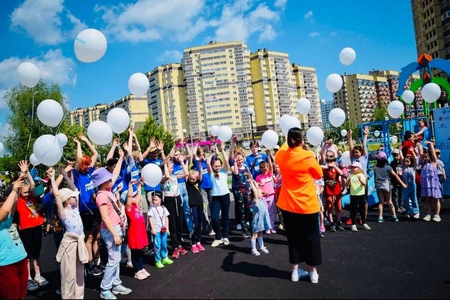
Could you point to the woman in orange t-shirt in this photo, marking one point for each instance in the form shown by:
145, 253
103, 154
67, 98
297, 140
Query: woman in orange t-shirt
299, 204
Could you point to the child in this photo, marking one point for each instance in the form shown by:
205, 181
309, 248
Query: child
409, 194
29, 220
193, 182
319, 190
261, 220
332, 190
357, 183
159, 221
111, 230
264, 180
383, 185
72, 245
277, 181
137, 231
430, 185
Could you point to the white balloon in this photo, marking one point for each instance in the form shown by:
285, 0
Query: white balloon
62, 139
269, 139
100, 133
345, 158
344, 132
90, 45
336, 117
314, 135
395, 109
394, 140
214, 130
34, 161
334, 83
47, 150
431, 92
376, 133
152, 174
2, 149
138, 84
287, 122
29, 75
347, 56
408, 96
50, 112
118, 119
225, 133
303, 106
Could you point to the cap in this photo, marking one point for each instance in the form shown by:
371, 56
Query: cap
356, 164
437, 150
276, 147
66, 193
99, 176
396, 151
381, 155
153, 149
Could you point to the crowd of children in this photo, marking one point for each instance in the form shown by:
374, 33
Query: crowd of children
113, 204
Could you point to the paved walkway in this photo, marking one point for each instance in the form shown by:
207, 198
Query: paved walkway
407, 259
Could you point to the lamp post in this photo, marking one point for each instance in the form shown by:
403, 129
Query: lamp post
250, 112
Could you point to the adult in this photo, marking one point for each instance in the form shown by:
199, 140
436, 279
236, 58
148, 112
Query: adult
299, 204
13, 257
423, 135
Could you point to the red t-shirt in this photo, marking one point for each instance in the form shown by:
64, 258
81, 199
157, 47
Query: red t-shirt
406, 148
28, 214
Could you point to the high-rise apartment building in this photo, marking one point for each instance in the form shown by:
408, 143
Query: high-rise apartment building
432, 27
306, 86
218, 87
85, 116
136, 107
325, 108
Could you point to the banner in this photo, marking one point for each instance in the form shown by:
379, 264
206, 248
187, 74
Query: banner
442, 139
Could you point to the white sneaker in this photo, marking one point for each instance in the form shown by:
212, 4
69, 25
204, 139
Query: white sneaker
264, 250
294, 276
239, 227
314, 277
416, 216
436, 218
226, 241
255, 253
427, 218
140, 275
366, 227
41, 281
217, 243
354, 229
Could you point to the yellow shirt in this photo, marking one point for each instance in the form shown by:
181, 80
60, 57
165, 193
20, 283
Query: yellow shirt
356, 187
299, 168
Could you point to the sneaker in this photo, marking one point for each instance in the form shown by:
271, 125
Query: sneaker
94, 270
211, 232
107, 295
32, 285
348, 222
145, 272
217, 243
246, 235
255, 253
175, 254
322, 228
264, 250
124, 260
314, 277
226, 241
41, 281
354, 229
340, 227
159, 265
380, 220
366, 227
267, 231
166, 261
120, 290
182, 251
194, 249
294, 276
302, 273
436, 218
129, 265
322, 235
58, 292
200, 247
333, 228
427, 218
273, 231
239, 227
394, 218
281, 227
140, 275
416, 216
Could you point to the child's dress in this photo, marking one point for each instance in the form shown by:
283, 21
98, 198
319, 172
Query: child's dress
429, 182
137, 233
261, 218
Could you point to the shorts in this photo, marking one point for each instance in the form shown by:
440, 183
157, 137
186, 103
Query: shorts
91, 220
32, 241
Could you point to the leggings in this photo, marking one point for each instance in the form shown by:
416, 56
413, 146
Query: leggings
137, 258
358, 204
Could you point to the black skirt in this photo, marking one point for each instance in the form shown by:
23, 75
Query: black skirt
302, 231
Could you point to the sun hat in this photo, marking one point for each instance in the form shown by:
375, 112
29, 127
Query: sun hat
66, 193
381, 155
99, 176
396, 151
356, 164
276, 147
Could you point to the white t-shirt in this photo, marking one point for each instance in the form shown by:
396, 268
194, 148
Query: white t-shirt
159, 214
220, 183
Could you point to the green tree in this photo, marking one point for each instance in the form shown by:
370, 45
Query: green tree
150, 130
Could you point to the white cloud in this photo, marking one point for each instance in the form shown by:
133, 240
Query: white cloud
308, 16
280, 4
42, 19
268, 34
5, 131
171, 55
314, 34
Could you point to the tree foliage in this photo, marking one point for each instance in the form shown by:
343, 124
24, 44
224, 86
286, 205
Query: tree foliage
152, 130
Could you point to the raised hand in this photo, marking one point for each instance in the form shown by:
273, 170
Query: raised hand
160, 145
23, 166
366, 130
82, 137
116, 142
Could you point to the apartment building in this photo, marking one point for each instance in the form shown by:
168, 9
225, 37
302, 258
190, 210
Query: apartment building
306, 85
325, 108
85, 116
136, 107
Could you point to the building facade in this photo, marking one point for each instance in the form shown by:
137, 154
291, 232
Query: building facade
326, 107
306, 86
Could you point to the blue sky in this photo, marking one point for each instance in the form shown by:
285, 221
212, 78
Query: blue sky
144, 34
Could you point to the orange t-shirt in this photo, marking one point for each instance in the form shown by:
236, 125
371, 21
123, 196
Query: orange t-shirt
299, 169
28, 213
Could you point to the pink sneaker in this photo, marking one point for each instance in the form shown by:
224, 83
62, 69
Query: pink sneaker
200, 247
267, 231
273, 231
322, 228
194, 249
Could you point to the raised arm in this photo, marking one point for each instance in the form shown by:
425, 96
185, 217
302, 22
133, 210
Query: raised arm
225, 157
79, 155
208, 163
185, 169
174, 148
10, 204
269, 159
91, 148
118, 167
113, 148
63, 174
166, 170
232, 146
55, 192
160, 146
432, 152
23, 166
188, 151
150, 146
364, 143
138, 147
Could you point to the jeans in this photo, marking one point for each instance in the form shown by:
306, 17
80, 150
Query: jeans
207, 198
186, 208
197, 216
220, 204
241, 211
410, 201
397, 198
160, 246
112, 270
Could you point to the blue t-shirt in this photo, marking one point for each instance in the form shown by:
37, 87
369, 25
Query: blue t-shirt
177, 170
159, 162
11, 247
86, 187
259, 157
206, 178
48, 200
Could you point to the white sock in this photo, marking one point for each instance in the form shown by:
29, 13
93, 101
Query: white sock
253, 243
260, 242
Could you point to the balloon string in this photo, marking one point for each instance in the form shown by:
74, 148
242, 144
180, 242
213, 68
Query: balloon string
32, 120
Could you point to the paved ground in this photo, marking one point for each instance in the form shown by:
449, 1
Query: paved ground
408, 259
